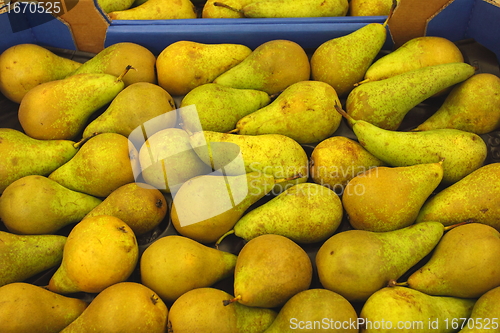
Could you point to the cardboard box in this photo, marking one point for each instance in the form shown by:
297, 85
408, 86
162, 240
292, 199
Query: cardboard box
87, 28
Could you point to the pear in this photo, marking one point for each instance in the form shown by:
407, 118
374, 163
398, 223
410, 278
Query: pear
201, 310
271, 67
24, 256
305, 213
302, 8
485, 314
357, 263
136, 105
35, 205
173, 265
370, 7
23, 155
471, 106
462, 152
157, 10
315, 310
464, 263
338, 159
123, 307
270, 269
400, 309
305, 112
475, 197
385, 103
343, 61
416, 53
103, 163
185, 65
24, 66
208, 206
140, 205
114, 58
235, 154
99, 252
218, 108
111, 6
224, 8
27, 308
396, 209
60, 109
167, 160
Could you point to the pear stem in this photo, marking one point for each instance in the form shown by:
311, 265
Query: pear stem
232, 300
449, 227
220, 4
344, 114
120, 78
393, 7
222, 237
82, 141
280, 180
361, 82
394, 283
233, 131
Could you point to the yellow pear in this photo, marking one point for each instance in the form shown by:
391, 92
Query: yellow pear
173, 265
27, 308
157, 10
185, 65
100, 251
123, 307
24, 66
113, 59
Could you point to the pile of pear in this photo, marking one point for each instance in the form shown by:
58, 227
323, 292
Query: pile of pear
218, 188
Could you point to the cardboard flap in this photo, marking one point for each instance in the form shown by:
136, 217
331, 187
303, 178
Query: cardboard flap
86, 23
410, 18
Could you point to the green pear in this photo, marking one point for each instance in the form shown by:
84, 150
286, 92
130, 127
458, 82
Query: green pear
201, 310
185, 65
343, 61
208, 206
173, 265
114, 58
357, 263
485, 314
140, 205
270, 269
302, 8
23, 155
104, 162
400, 309
396, 209
122, 307
464, 263
137, 105
462, 152
305, 213
476, 198
472, 106
315, 310
416, 53
274, 154
338, 159
29, 308
24, 66
271, 67
385, 103
47, 206
157, 10
218, 108
111, 6
24, 256
167, 160
305, 112
60, 109
370, 7
224, 8
99, 252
